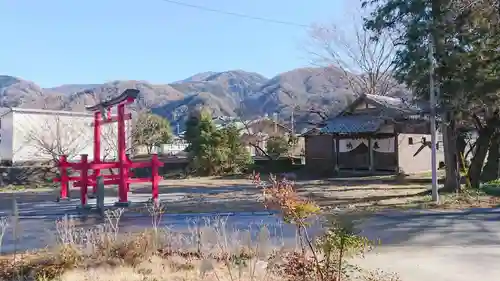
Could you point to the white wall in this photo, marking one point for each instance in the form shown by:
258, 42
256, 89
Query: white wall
6, 130
39, 135
42, 136
422, 161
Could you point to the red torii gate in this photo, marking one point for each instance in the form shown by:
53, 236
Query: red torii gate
123, 178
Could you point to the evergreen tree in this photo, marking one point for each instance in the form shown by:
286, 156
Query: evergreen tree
214, 151
239, 157
466, 45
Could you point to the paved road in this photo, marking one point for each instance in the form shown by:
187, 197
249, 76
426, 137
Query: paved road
37, 220
438, 246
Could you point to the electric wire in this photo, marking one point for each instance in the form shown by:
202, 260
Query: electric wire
234, 14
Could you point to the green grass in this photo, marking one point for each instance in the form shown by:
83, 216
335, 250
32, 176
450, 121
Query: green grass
491, 188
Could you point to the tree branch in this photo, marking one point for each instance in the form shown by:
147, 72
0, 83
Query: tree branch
366, 65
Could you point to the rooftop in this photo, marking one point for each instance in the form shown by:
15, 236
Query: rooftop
5, 110
399, 104
352, 124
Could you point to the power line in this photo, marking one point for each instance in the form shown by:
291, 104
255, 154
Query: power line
228, 13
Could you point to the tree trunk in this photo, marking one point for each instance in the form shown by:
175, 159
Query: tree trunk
470, 150
477, 162
491, 170
452, 183
461, 145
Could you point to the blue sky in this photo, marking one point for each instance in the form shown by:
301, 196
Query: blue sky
53, 42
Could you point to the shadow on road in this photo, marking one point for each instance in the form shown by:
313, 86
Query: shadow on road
323, 200
428, 228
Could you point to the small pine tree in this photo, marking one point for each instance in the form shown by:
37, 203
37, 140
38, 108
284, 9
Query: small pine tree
206, 144
239, 157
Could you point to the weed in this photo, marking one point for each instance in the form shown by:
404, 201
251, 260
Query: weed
4, 224
323, 259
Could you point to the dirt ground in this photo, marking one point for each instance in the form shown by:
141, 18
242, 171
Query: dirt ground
237, 195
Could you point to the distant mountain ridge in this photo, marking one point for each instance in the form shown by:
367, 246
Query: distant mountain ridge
228, 93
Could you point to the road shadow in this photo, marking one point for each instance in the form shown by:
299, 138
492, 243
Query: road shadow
346, 201
429, 228
198, 189
372, 188
235, 177
363, 182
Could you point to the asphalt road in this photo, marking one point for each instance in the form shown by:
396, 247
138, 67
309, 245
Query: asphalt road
437, 246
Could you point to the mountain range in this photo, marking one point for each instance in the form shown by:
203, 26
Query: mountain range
228, 93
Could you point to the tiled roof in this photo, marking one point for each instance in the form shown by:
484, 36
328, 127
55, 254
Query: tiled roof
397, 103
352, 124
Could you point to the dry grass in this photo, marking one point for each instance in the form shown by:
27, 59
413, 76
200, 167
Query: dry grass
209, 252
102, 254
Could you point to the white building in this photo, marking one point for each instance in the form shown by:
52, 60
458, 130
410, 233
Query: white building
175, 148
35, 135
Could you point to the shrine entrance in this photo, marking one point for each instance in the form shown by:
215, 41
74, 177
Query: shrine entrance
353, 154
90, 172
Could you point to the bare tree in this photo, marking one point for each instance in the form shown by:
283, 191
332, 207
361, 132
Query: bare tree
366, 64
150, 130
48, 136
463, 5
109, 140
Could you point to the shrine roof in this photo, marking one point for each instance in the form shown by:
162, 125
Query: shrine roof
352, 124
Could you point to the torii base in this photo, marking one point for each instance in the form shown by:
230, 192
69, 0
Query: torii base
65, 199
84, 207
122, 204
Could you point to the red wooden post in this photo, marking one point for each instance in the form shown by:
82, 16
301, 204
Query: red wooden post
122, 185
155, 163
123, 164
97, 147
63, 164
84, 179
129, 172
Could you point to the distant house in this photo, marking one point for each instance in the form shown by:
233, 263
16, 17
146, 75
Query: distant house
175, 147
257, 132
374, 133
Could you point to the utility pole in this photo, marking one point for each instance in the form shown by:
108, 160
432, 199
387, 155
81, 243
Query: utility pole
177, 125
432, 100
275, 119
293, 123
